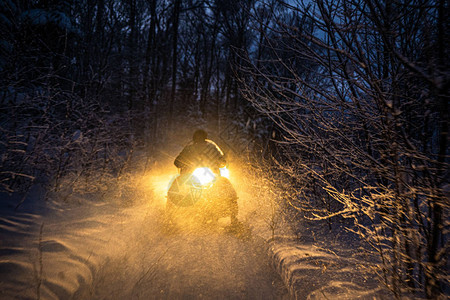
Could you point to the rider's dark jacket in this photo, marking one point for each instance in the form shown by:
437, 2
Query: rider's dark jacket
200, 154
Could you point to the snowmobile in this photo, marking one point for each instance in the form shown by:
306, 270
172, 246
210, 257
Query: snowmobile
201, 197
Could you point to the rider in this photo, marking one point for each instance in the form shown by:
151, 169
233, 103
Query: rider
205, 153
201, 152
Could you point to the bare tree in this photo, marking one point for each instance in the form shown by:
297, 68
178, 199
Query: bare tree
359, 90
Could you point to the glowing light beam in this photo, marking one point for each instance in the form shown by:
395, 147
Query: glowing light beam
204, 175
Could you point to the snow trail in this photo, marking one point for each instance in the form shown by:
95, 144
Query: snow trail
188, 265
116, 249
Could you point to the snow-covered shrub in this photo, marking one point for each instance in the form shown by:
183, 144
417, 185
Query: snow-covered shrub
61, 141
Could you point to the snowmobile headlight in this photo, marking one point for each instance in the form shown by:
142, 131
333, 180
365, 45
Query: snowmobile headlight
224, 172
204, 175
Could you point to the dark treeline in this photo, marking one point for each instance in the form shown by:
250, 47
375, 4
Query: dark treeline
169, 59
73, 72
345, 103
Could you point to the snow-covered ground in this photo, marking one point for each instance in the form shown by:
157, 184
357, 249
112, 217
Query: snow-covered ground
112, 248
109, 247
329, 272
105, 251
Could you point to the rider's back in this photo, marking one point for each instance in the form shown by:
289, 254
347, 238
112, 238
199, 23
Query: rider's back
203, 154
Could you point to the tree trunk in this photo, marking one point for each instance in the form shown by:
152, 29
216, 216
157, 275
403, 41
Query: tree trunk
131, 53
175, 22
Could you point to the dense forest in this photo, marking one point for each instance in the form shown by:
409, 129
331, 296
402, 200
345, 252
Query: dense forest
344, 103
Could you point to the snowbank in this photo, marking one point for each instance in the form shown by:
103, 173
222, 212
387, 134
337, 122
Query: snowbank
313, 272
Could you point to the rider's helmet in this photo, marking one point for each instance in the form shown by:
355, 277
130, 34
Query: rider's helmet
199, 136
